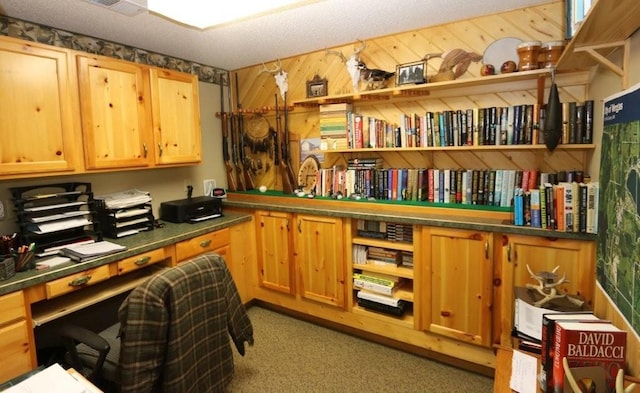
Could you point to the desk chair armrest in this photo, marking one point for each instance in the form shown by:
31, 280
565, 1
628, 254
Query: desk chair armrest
72, 336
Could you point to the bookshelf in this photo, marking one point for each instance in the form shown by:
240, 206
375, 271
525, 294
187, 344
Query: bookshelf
382, 271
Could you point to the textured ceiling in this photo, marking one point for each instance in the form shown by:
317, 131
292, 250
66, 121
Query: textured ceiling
321, 24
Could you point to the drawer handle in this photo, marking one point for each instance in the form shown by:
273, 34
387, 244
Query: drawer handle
445, 313
142, 261
205, 243
80, 281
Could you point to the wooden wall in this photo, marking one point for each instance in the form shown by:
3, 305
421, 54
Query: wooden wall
544, 23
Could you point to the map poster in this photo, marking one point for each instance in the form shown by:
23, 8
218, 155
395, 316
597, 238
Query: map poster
618, 260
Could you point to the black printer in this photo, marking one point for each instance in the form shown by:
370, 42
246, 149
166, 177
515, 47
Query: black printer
191, 209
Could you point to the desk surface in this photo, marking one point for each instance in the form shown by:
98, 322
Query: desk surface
136, 244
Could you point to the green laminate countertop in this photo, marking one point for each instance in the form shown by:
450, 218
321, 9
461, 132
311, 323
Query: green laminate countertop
136, 244
347, 208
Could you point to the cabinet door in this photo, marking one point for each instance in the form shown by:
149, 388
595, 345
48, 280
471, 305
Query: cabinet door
16, 346
319, 245
275, 269
176, 117
116, 113
575, 258
36, 114
459, 284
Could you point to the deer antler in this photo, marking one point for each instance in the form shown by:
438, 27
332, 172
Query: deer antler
335, 52
277, 69
362, 47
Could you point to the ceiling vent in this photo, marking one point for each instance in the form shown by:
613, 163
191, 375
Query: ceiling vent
125, 7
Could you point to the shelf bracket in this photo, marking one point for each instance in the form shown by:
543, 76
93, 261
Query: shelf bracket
619, 70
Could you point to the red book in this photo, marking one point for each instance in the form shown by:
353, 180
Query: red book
547, 349
588, 344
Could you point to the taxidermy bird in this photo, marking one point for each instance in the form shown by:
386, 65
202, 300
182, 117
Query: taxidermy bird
375, 79
454, 63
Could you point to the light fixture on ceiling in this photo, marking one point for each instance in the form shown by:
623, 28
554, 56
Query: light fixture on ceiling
125, 7
206, 13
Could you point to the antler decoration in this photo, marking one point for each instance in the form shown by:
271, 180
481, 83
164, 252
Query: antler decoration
352, 63
547, 287
279, 75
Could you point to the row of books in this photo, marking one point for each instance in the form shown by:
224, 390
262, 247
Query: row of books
385, 230
492, 187
509, 125
566, 207
593, 347
381, 256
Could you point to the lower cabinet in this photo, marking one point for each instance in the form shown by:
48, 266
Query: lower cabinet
274, 238
458, 284
17, 346
574, 259
319, 256
302, 255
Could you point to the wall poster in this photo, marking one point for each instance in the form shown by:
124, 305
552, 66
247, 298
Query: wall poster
618, 255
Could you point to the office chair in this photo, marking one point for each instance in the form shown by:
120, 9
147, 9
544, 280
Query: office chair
173, 334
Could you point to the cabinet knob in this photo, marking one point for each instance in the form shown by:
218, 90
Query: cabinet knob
80, 281
142, 261
205, 243
445, 313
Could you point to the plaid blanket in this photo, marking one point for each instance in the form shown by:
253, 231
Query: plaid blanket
175, 329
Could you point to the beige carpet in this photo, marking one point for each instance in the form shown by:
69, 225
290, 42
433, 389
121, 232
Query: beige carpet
293, 356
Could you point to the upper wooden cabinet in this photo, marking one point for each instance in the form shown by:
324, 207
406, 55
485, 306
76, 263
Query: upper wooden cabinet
134, 116
116, 113
176, 117
36, 116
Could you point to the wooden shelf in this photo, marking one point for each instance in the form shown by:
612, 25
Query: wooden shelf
399, 271
366, 241
608, 21
516, 81
586, 146
405, 320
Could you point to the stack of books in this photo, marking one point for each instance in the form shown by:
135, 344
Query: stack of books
333, 126
383, 284
383, 256
593, 348
376, 292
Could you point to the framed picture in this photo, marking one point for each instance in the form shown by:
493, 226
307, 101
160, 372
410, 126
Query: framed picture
411, 73
316, 87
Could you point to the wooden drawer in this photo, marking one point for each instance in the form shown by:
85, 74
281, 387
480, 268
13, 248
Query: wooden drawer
140, 261
76, 281
198, 245
14, 347
12, 307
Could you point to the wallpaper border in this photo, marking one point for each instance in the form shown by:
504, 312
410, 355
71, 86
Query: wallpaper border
30, 31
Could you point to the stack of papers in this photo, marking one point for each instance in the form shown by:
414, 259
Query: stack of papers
85, 252
124, 199
53, 379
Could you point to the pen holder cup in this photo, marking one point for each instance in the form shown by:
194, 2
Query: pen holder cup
25, 261
7, 266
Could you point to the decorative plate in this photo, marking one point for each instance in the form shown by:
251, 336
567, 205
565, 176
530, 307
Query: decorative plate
500, 51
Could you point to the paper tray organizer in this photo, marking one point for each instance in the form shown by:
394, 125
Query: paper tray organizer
118, 223
51, 215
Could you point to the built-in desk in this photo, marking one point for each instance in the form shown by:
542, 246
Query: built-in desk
39, 296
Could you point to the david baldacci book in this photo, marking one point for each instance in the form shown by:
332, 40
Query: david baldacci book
547, 349
588, 344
